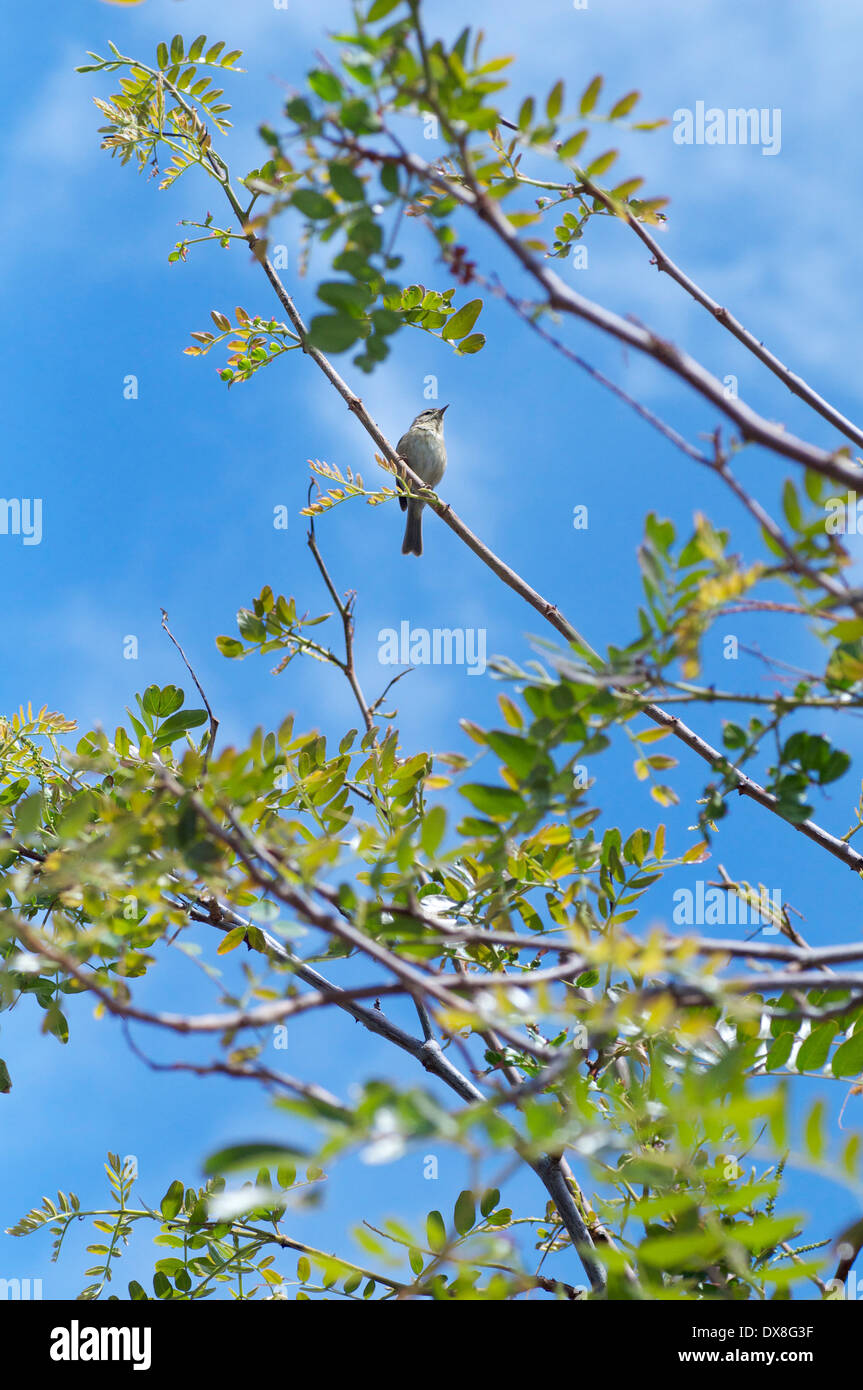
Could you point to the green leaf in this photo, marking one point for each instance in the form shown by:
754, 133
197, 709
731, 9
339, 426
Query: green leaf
432, 831
231, 940
312, 204
624, 106
814, 1128
358, 116
198, 1214
344, 294
501, 1218
517, 753
779, 1052
791, 505
250, 625
572, 147
848, 1058
13, 791
172, 1200
298, 110
346, 183
386, 320
56, 1023
815, 1049
435, 1231
162, 702
177, 725
600, 165
390, 178
463, 321
465, 1213
239, 1157
472, 344
489, 1201
590, 96
626, 189
498, 802
230, 647
636, 847
333, 332
555, 101
28, 815
380, 9
326, 85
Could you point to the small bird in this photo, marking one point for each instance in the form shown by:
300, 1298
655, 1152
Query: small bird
424, 451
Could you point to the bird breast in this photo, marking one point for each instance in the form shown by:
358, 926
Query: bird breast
425, 451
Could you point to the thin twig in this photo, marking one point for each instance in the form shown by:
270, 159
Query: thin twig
214, 723
345, 611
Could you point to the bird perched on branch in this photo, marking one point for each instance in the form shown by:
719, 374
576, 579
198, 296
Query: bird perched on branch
424, 451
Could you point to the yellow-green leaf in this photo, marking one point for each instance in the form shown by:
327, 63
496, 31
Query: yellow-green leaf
590, 96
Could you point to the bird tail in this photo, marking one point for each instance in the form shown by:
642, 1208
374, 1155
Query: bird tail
413, 541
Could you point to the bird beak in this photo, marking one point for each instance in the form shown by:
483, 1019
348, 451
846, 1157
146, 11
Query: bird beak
442, 409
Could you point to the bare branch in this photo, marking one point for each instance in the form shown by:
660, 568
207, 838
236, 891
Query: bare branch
559, 296
214, 723
345, 611
796, 385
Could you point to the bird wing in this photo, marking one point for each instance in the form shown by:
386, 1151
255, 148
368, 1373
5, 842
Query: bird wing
400, 449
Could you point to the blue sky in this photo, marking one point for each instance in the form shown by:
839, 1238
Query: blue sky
167, 500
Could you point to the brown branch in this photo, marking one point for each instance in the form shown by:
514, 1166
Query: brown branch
796, 385
559, 296
663, 262
719, 465
747, 786
263, 1015
412, 980
345, 611
522, 308
765, 605
307, 1090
